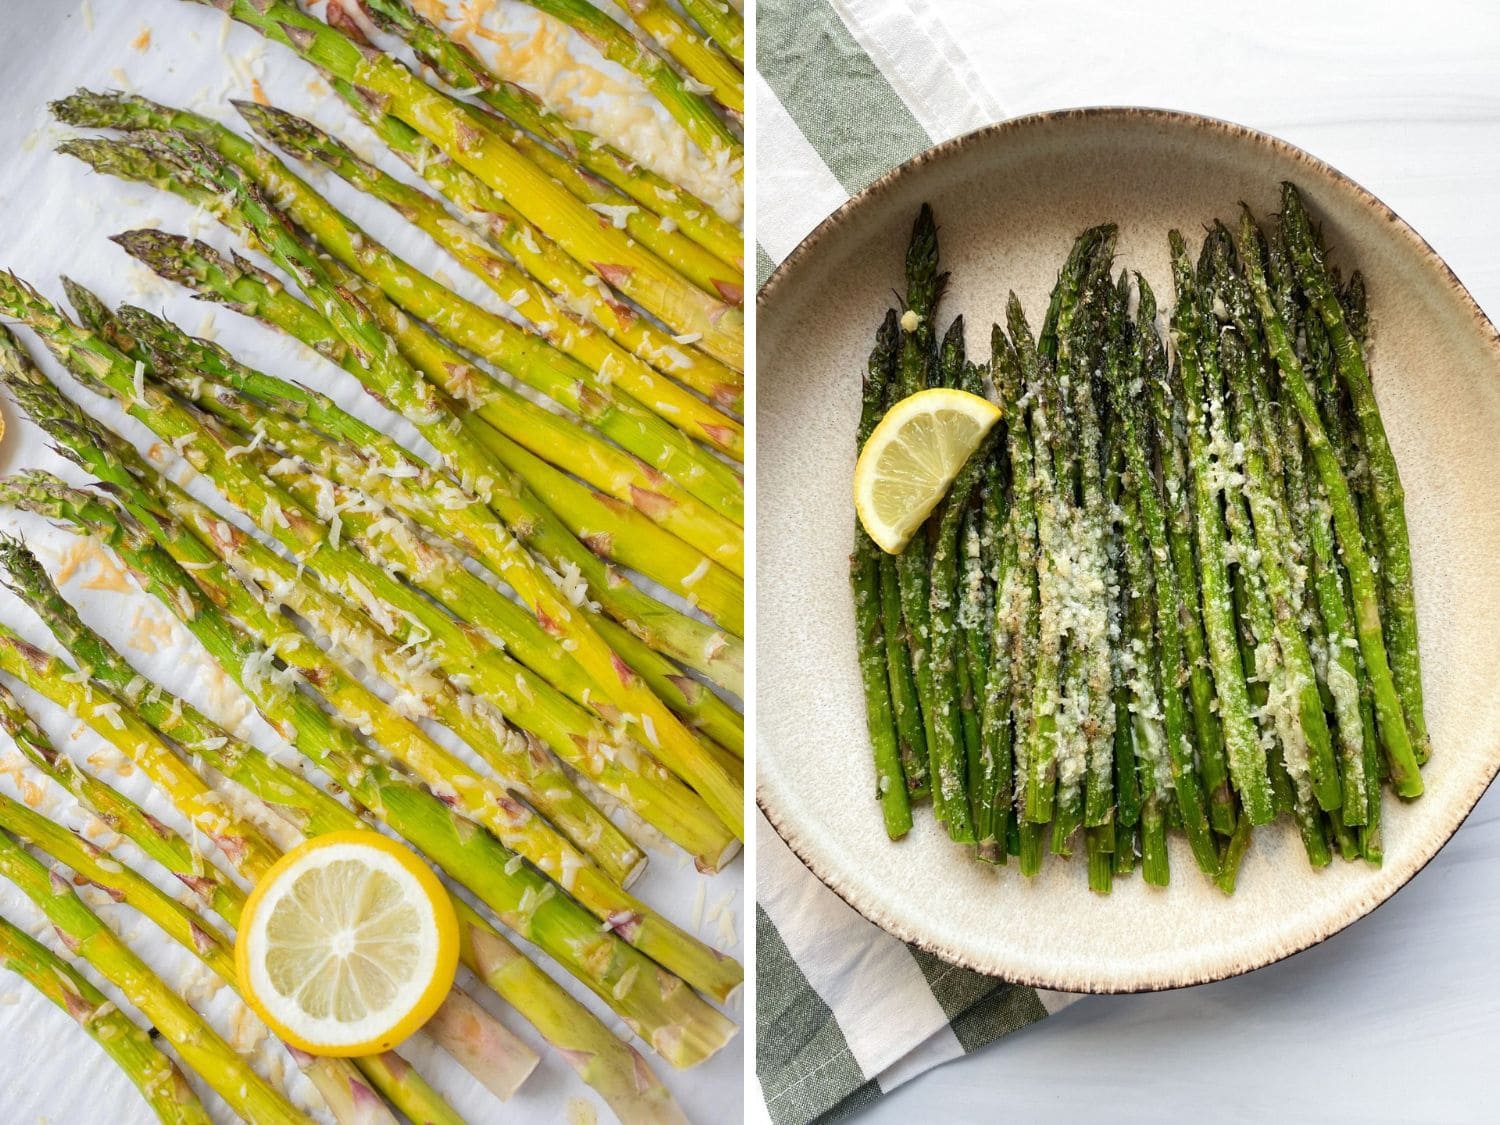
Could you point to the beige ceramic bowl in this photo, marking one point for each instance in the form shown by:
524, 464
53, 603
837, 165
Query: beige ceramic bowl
1009, 200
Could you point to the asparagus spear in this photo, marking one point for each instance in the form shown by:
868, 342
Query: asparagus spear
1246, 757
195, 1042
673, 1019
389, 375
394, 731
949, 596
1037, 754
722, 23
1154, 575
1098, 721
674, 482
906, 703
699, 58
155, 1075
1405, 772
460, 67
345, 1091
503, 113
368, 461
940, 721
606, 529
618, 529
543, 259
985, 554
958, 729
1008, 690
636, 779
618, 45
1393, 544
446, 122
1175, 496
864, 577
603, 1061
530, 298
502, 815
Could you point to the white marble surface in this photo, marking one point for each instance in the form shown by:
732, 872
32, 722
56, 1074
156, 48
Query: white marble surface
1396, 1018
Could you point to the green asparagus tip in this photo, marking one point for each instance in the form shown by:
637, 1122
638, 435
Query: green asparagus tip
1146, 309
20, 571
283, 129
111, 109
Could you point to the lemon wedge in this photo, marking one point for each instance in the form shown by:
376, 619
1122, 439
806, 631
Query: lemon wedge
911, 458
348, 945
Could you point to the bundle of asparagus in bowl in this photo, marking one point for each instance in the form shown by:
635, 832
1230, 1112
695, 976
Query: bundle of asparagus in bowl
556, 580
1162, 587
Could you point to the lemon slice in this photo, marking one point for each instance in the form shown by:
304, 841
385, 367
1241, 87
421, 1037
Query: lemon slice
912, 457
348, 945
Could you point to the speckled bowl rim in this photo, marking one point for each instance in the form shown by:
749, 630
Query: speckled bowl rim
1213, 127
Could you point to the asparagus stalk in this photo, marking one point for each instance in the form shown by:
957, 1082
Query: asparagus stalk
923, 289
459, 66
683, 1028
612, 1067
612, 527
864, 578
195, 1042
1156, 573
722, 22
1037, 754
156, 1076
1298, 707
496, 810
389, 375
1014, 646
448, 123
1393, 543
618, 45
906, 706
694, 262
958, 749
1246, 757
367, 461
346, 571
1098, 718
674, 482
543, 259
606, 529
250, 851
1405, 772
349, 1097
948, 597
695, 55
528, 297
1150, 745
1208, 735
634, 778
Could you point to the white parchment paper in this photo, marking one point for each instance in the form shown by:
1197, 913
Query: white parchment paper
55, 219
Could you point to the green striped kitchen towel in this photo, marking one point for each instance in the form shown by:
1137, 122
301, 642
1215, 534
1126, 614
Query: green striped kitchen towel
846, 90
